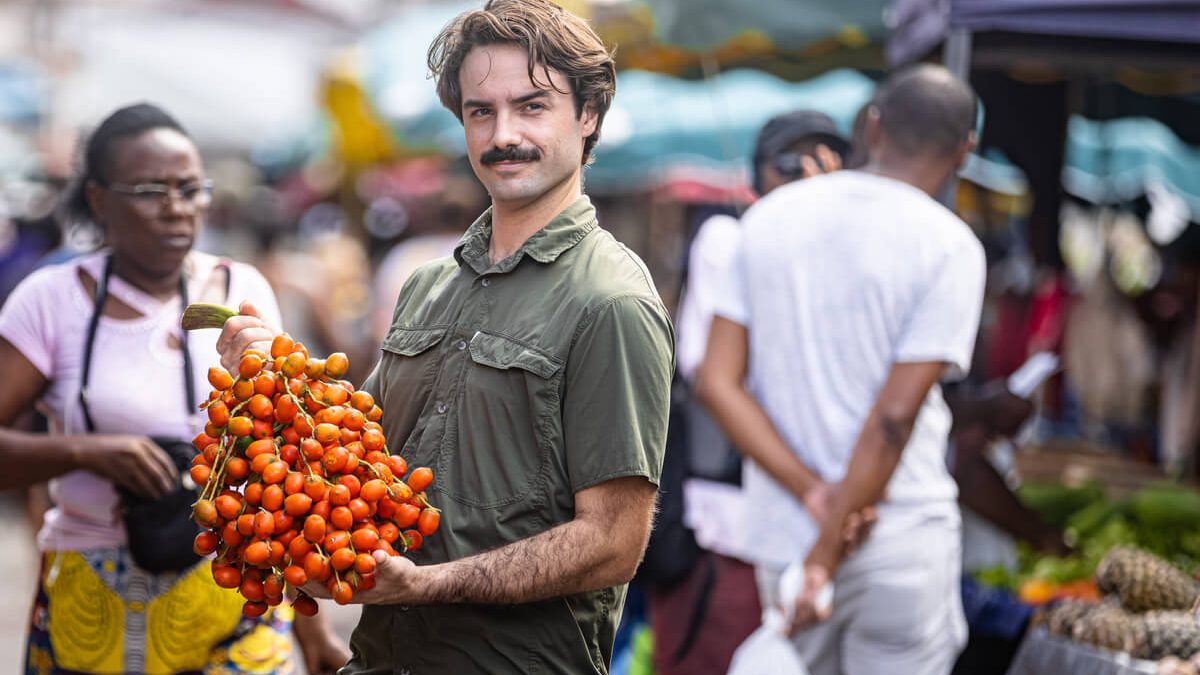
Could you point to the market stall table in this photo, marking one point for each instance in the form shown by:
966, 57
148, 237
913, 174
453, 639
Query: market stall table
1042, 653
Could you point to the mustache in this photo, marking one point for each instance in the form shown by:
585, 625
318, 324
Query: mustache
510, 154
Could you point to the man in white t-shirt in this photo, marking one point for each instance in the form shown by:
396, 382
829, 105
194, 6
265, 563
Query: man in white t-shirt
700, 620
851, 296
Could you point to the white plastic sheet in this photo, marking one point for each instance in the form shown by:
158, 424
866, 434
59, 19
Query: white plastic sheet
1042, 653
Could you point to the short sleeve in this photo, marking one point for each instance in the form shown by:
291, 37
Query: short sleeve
27, 320
945, 319
731, 298
617, 392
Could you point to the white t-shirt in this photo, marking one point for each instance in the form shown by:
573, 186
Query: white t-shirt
837, 278
708, 265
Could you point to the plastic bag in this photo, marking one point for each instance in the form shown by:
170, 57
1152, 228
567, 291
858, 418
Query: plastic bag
768, 650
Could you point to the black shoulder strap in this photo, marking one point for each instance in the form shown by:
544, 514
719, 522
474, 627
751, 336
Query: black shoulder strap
224, 264
101, 296
89, 343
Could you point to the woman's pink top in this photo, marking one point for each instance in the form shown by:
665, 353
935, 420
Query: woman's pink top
136, 379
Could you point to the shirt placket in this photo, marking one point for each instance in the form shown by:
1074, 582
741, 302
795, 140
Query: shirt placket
455, 362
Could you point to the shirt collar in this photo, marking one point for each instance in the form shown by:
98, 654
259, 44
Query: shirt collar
563, 231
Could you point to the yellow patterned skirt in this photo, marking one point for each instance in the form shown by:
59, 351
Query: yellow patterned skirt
96, 612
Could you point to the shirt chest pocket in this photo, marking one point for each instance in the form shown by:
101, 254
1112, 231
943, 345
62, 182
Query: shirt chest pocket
410, 366
508, 423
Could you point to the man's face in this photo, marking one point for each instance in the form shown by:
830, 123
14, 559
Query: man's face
523, 139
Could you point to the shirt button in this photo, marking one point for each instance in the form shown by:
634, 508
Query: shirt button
462, 344
486, 282
442, 407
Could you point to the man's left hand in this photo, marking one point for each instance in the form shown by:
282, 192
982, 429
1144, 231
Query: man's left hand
808, 610
398, 581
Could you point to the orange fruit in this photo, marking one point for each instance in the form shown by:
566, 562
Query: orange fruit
250, 365
342, 559
420, 479
336, 365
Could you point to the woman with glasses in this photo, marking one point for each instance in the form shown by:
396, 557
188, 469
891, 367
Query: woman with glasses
95, 344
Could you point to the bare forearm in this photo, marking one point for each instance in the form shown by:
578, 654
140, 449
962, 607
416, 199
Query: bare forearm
32, 458
570, 558
872, 463
982, 489
751, 431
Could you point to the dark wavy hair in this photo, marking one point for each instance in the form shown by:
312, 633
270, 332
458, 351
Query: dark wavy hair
98, 153
553, 37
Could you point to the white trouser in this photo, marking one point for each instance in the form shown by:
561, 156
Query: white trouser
897, 606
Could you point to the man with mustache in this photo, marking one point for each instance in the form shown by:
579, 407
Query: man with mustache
531, 371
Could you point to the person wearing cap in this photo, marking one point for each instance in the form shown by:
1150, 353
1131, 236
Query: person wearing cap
794, 145
850, 297
699, 622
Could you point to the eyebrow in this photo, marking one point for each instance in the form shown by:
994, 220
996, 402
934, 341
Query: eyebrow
524, 98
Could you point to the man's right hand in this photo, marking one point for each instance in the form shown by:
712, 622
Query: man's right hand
132, 462
818, 500
825, 161
244, 331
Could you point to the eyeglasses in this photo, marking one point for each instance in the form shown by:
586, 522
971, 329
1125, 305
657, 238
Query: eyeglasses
196, 193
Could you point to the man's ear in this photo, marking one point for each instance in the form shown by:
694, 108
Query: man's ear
590, 119
872, 130
965, 149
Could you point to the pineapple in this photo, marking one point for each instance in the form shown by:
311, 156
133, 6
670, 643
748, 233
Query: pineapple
1157, 635
1144, 581
1116, 565
1105, 626
1062, 618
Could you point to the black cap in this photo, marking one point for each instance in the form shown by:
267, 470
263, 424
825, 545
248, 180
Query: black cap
783, 131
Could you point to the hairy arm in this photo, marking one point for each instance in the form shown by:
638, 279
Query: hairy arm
587, 553
720, 385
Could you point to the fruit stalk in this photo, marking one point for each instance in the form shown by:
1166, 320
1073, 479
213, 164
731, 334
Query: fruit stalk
206, 315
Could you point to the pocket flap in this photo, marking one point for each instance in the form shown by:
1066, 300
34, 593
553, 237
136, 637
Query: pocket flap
412, 341
504, 353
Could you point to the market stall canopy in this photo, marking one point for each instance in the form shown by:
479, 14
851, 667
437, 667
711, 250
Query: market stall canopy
789, 24
921, 25
661, 125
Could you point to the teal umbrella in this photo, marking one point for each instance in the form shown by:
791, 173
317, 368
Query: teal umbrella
659, 124
790, 24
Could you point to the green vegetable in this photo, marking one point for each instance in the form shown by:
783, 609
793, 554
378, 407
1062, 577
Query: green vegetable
1167, 506
1056, 503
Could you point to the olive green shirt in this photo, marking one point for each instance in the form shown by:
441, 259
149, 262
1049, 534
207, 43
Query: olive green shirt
520, 384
